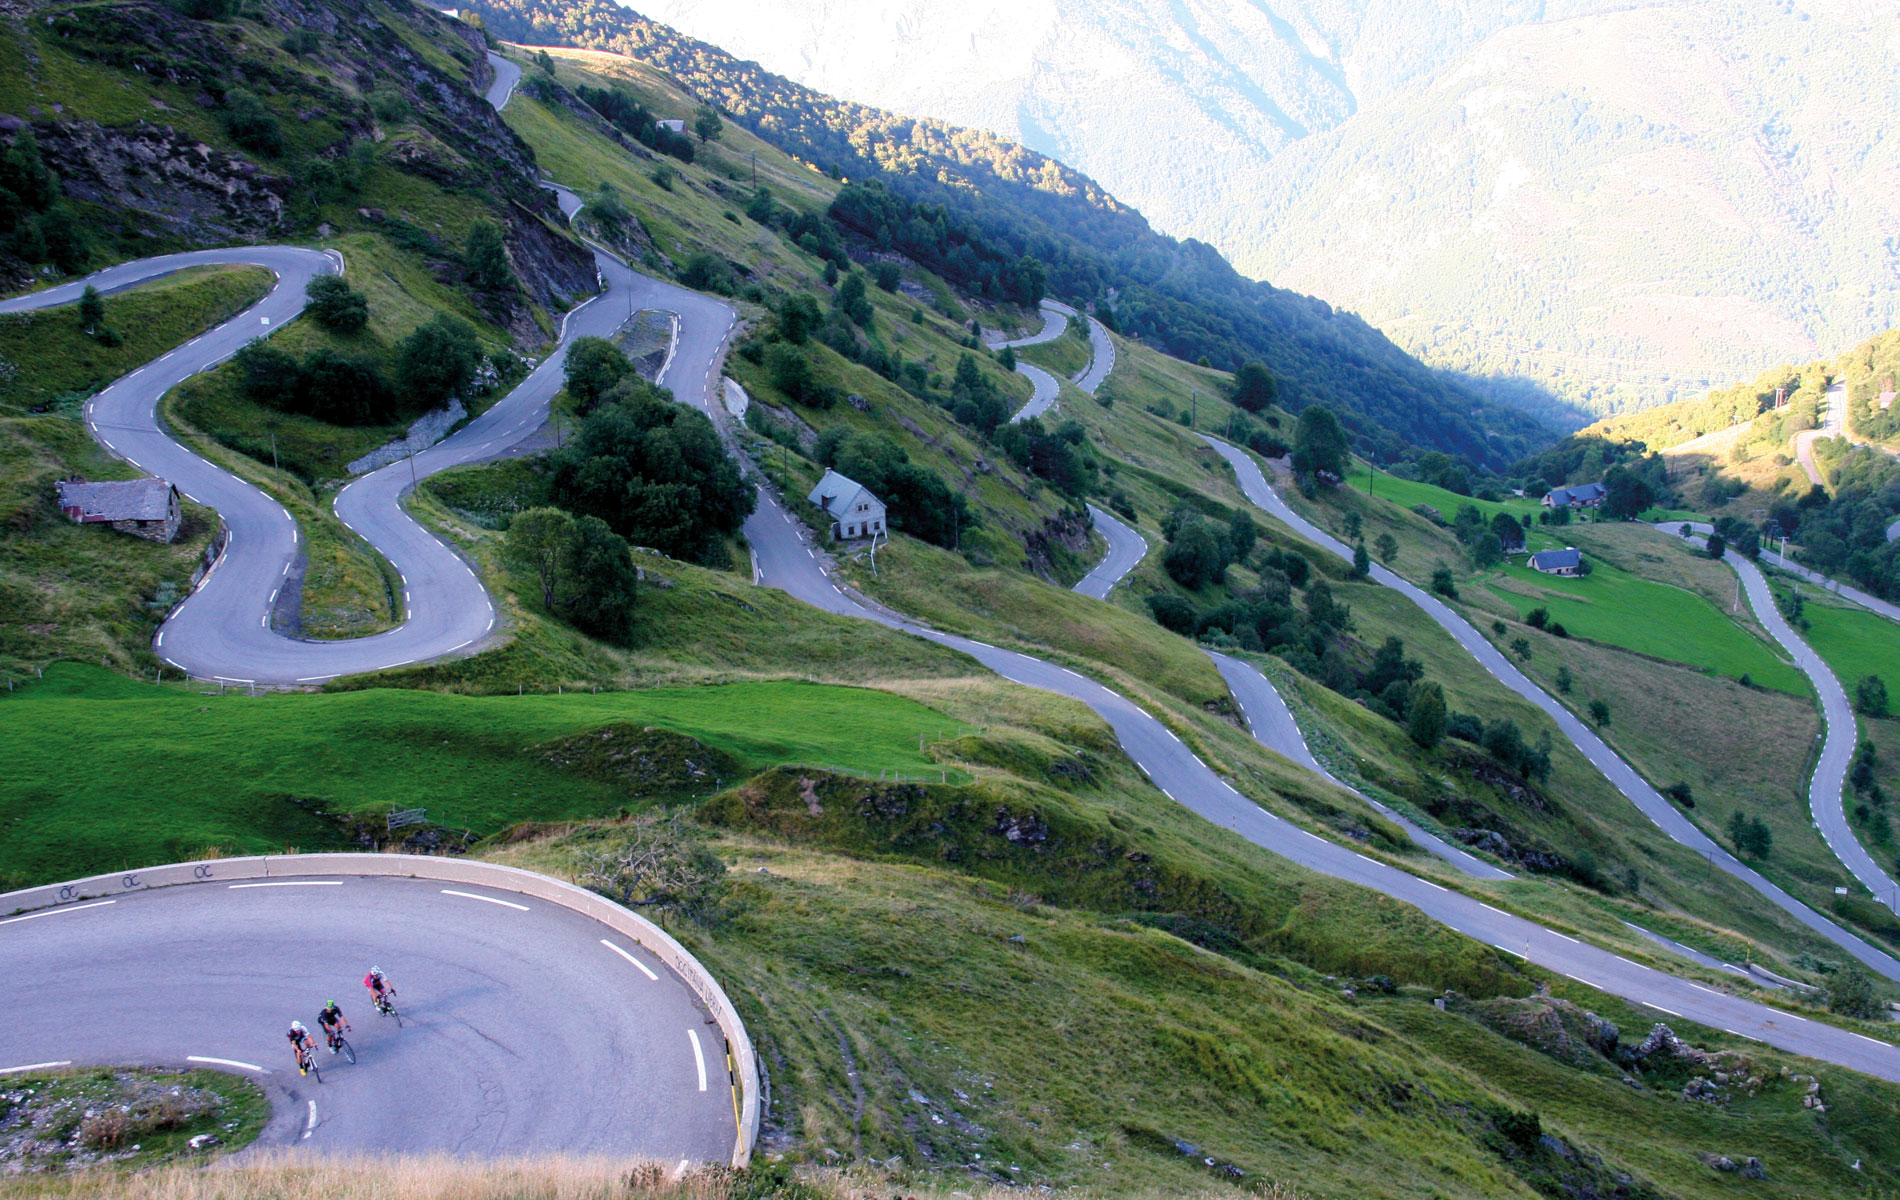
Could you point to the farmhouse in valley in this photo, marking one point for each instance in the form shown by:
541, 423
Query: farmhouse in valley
145, 507
1568, 561
854, 511
1578, 495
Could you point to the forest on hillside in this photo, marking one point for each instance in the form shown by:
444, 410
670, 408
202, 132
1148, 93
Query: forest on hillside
1180, 296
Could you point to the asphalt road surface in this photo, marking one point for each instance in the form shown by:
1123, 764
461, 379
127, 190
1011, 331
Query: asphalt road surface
521, 1031
1620, 774
1126, 549
1833, 422
1055, 322
507, 76
1101, 359
1827, 784
223, 630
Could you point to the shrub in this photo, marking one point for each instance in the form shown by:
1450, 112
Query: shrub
335, 305
250, 124
708, 273
485, 257
437, 360
1443, 583
592, 368
1870, 696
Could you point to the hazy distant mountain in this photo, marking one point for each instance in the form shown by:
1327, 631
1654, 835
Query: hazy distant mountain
1672, 193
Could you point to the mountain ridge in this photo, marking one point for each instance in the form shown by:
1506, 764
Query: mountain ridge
1179, 295
1624, 202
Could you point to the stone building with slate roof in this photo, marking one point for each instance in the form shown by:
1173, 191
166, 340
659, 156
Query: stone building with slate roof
147, 508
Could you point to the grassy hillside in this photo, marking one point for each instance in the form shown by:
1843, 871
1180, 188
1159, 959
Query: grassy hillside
105, 773
90, 593
1012, 202
56, 363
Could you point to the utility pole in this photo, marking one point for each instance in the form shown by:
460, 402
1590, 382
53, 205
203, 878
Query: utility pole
755, 170
412, 470
273, 452
1369, 470
1194, 408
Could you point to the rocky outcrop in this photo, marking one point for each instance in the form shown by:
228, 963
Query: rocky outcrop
166, 183
182, 181
1068, 530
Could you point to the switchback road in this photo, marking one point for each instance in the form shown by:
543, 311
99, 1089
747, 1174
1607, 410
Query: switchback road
527, 1027
1624, 777
1827, 785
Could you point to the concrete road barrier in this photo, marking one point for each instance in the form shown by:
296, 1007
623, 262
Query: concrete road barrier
741, 1058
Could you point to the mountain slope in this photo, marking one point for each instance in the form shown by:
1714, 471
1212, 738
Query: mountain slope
1621, 201
1181, 296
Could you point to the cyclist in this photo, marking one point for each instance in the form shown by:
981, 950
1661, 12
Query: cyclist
301, 1045
332, 1022
380, 991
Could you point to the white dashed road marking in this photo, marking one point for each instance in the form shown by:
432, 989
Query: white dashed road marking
489, 899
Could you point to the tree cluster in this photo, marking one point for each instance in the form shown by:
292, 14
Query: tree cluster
583, 569
632, 118
1062, 456
654, 471
343, 387
1200, 548
37, 225
916, 499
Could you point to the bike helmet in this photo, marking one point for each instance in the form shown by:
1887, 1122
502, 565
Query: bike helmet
298, 1026
331, 1004
376, 971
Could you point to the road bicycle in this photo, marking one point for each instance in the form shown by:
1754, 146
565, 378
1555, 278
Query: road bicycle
307, 1062
341, 1045
387, 1007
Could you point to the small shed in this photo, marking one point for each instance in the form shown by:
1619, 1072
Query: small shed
854, 511
1577, 495
1568, 561
147, 508
673, 123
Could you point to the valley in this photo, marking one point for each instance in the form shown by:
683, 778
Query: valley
886, 793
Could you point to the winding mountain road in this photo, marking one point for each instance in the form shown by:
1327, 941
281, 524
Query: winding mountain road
1101, 359
509, 1004
1828, 784
1833, 422
785, 559
444, 606
1126, 549
1624, 777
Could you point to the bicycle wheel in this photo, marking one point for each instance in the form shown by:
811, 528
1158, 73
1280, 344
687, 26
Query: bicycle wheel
343, 1047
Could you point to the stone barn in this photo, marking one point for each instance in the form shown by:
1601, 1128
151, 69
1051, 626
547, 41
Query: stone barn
147, 508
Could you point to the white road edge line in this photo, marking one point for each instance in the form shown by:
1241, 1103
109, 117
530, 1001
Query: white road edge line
290, 883
699, 1059
310, 1124
227, 1062
630, 958
63, 1062
51, 912
489, 899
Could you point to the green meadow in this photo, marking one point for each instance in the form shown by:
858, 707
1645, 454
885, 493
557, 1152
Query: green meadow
98, 772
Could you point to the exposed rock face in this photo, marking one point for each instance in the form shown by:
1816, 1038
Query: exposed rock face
182, 189
1070, 530
170, 185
